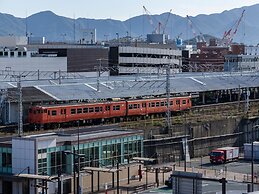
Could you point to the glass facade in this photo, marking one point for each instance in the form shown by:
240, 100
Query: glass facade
98, 153
5, 160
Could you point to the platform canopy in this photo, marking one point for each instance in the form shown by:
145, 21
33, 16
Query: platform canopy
144, 159
35, 176
101, 169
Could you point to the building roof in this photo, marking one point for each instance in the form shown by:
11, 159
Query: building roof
85, 88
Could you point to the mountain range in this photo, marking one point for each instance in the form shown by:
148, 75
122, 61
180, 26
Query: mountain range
58, 28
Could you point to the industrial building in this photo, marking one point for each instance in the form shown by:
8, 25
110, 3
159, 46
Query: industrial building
29, 164
132, 60
241, 63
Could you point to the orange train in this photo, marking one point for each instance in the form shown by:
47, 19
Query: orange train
65, 113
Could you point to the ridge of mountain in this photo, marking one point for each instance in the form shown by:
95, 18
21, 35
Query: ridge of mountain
58, 28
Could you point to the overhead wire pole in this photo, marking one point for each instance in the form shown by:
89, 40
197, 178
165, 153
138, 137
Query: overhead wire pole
20, 122
168, 113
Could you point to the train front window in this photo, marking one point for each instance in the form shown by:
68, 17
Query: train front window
184, 101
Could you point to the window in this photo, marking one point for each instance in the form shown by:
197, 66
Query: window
184, 102
6, 54
48, 112
73, 111
85, 110
1, 53
30, 110
91, 109
6, 160
171, 103
101, 109
144, 105
135, 106
12, 54
24, 53
152, 104
178, 102
19, 54
157, 104
117, 107
96, 109
54, 113
61, 112
107, 108
130, 106
79, 110
45, 110
162, 103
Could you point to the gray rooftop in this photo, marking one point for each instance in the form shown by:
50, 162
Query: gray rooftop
85, 88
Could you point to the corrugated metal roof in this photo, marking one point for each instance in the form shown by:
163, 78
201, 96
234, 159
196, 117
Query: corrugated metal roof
132, 86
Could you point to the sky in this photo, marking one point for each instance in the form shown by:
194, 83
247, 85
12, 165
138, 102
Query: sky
118, 9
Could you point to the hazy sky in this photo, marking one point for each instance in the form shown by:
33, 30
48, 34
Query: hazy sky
118, 9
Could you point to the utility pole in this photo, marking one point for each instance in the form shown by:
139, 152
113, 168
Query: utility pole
20, 123
168, 113
99, 74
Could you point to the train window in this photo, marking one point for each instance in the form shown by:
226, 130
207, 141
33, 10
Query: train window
73, 111
38, 111
65, 111
101, 109
135, 106
152, 104
116, 107
54, 113
96, 109
178, 102
130, 106
144, 105
107, 108
157, 104
61, 112
138, 105
162, 103
85, 110
41, 111
91, 109
188, 101
149, 104
171, 103
45, 111
184, 102
79, 110
48, 112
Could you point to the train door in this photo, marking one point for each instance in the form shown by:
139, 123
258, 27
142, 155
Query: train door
107, 111
63, 114
178, 104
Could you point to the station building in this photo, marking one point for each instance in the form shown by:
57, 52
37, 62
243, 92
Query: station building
29, 164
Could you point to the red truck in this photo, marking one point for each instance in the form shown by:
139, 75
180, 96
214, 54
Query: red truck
223, 155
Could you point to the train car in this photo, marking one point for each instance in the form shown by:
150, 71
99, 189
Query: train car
73, 112
65, 113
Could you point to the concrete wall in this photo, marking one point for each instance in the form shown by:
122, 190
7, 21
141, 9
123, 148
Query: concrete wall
34, 63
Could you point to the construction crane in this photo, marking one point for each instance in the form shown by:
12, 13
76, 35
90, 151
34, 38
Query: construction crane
160, 25
166, 21
229, 35
151, 21
199, 37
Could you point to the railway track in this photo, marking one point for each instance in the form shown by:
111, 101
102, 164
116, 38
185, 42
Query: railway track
200, 113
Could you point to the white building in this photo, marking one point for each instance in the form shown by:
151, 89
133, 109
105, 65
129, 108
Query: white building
252, 50
23, 60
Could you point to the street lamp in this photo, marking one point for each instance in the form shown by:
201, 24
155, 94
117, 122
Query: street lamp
78, 167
